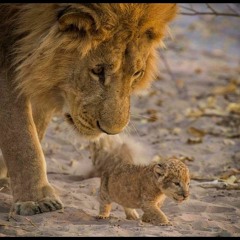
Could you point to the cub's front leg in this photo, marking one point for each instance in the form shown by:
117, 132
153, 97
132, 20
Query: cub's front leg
152, 214
23, 155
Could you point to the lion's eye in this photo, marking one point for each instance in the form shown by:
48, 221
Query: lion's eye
138, 74
98, 70
98, 73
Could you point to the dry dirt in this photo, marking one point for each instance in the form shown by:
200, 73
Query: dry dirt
191, 111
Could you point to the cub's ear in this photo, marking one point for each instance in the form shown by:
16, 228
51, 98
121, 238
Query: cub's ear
81, 19
160, 170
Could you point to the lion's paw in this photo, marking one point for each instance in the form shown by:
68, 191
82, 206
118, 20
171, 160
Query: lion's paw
27, 208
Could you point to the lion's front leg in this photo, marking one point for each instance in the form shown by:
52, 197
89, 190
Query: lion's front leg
4, 180
24, 158
3, 168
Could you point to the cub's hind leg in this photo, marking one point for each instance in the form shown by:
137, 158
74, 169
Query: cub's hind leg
131, 214
104, 199
105, 209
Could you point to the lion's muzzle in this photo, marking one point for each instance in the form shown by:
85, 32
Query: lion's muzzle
114, 115
109, 131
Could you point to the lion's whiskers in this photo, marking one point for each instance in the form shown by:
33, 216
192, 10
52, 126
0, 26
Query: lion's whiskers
134, 128
138, 116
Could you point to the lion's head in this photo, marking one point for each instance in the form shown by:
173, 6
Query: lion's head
90, 58
173, 179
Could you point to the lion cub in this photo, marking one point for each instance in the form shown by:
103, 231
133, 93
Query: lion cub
141, 186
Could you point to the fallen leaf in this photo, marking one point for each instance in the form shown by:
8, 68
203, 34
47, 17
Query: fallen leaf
151, 111
233, 108
229, 142
153, 118
211, 102
229, 172
176, 131
153, 93
221, 90
230, 180
193, 112
194, 140
196, 132
143, 121
215, 112
153, 115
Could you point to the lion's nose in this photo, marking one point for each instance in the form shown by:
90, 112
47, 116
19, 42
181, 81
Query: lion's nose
109, 131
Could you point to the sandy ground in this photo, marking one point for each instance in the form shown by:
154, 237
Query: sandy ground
191, 111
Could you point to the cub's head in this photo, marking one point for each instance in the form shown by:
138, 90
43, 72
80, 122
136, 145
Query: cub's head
173, 179
92, 58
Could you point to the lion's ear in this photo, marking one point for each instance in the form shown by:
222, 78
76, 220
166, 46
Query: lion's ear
81, 19
170, 12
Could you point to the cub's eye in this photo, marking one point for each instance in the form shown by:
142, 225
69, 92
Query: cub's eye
138, 74
98, 70
177, 184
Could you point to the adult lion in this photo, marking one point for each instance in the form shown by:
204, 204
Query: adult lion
83, 59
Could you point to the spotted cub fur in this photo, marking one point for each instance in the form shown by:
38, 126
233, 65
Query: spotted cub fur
140, 186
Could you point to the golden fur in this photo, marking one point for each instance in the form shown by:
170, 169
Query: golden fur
138, 186
85, 59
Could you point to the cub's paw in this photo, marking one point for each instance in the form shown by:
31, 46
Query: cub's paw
158, 221
163, 224
28, 208
102, 217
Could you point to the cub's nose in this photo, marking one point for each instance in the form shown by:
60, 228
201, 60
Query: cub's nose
186, 194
